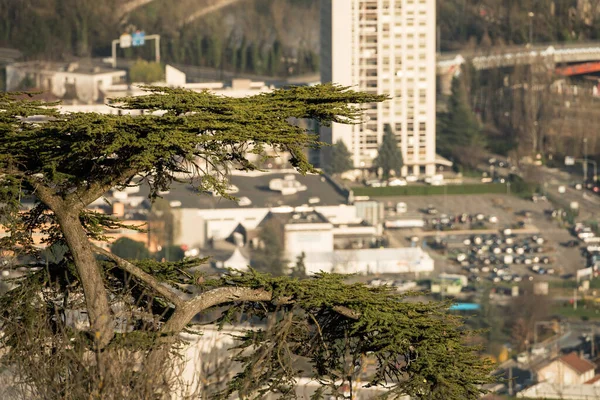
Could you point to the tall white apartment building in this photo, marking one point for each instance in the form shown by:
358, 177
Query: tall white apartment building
384, 47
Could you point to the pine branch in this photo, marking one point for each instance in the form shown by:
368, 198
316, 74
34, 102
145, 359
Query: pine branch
168, 293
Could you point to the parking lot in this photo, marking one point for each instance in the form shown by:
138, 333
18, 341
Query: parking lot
511, 212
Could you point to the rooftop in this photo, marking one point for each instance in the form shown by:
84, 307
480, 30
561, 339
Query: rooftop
311, 217
77, 67
593, 380
406, 255
256, 189
577, 363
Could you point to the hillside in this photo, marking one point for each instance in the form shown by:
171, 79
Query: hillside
272, 37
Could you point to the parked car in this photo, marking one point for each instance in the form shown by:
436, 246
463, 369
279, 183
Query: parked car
431, 210
523, 358
375, 183
397, 182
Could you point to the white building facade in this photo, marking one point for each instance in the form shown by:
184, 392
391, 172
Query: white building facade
384, 47
87, 83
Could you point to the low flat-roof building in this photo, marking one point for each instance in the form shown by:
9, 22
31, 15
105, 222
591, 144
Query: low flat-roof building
75, 82
412, 260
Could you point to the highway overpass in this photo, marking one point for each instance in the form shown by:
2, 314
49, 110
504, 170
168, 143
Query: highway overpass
448, 64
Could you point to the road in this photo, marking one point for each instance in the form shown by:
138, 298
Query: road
589, 203
551, 179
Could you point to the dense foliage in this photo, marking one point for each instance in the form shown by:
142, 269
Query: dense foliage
389, 156
268, 256
459, 134
129, 249
339, 160
496, 23
146, 72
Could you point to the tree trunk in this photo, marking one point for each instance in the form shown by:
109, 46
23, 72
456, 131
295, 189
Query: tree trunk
96, 299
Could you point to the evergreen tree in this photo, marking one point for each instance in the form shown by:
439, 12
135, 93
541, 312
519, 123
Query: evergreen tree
198, 50
299, 269
252, 55
233, 54
340, 159
271, 62
146, 72
462, 128
242, 57
268, 257
129, 249
170, 253
459, 128
389, 157
69, 161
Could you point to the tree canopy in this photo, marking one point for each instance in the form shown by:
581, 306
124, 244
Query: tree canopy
129, 249
146, 72
389, 157
459, 129
66, 162
340, 159
268, 256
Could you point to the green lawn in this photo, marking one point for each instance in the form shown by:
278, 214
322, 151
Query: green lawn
464, 189
591, 312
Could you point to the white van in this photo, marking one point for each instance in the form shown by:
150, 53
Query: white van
401, 207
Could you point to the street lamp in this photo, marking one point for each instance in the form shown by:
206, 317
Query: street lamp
531, 15
585, 162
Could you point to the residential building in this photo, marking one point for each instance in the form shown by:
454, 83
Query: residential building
569, 369
384, 47
549, 390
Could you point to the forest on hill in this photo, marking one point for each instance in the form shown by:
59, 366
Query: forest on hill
265, 37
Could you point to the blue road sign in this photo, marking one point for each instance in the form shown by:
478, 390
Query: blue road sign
138, 38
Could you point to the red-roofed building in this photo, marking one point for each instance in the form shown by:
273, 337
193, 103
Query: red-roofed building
569, 369
594, 381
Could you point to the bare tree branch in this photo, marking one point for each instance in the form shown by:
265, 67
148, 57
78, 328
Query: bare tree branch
184, 314
168, 293
84, 196
347, 312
